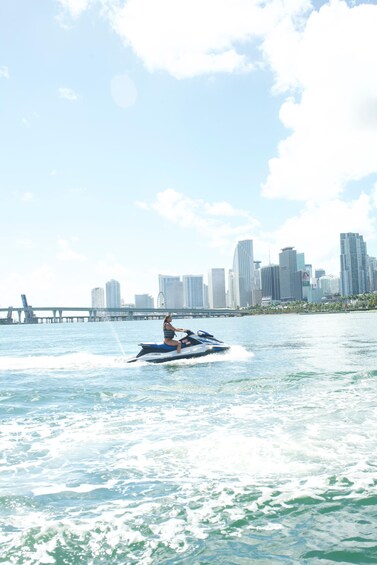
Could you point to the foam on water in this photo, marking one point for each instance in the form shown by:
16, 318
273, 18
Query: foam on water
76, 361
187, 462
87, 361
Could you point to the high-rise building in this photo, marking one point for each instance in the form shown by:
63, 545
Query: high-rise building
290, 277
329, 285
216, 288
271, 282
372, 263
300, 257
113, 294
205, 296
318, 273
192, 291
354, 268
309, 270
98, 297
257, 275
305, 275
243, 273
170, 291
230, 294
144, 301
257, 286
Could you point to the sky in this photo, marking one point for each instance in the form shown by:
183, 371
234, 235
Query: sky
146, 137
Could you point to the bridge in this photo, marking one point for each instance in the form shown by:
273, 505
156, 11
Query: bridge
69, 314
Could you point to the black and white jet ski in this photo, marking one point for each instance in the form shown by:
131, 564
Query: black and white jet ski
193, 345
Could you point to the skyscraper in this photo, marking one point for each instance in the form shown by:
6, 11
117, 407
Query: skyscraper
305, 276
192, 291
271, 282
170, 291
144, 301
372, 263
243, 273
98, 297
354, 268
318, 273
300, 261
257, 286
329, 285
205, 296
290, 277
230, 294
112, 294
216, 288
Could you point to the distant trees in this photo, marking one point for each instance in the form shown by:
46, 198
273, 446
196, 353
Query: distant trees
343, 304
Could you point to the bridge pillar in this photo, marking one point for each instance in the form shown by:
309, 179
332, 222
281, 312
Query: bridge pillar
60, 316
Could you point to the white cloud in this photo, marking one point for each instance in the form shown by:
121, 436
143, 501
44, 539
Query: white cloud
224, 209
323, 62
27, 196
4, 72
141, 205
333, 116
66, 253
316, 230
198, 216
194, 37
75, 7
68, 94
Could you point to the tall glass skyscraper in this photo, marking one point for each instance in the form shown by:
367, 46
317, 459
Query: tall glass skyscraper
230, 302
192, 291
216, 288
354, 267
290, 277
243, 273
372, 274
271, 282
112, 294
144, 301
171, 289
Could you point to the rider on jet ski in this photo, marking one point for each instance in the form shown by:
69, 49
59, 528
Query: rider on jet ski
169, 333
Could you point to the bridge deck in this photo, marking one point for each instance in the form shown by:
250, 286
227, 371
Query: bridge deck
37, 314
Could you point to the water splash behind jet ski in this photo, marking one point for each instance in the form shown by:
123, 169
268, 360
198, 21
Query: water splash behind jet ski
194, 345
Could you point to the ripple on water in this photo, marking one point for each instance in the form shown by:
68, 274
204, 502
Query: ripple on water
238, 459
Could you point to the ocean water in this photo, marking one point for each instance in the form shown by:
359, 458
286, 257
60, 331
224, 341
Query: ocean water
265, 454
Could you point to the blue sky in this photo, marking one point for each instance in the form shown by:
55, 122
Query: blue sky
148, 136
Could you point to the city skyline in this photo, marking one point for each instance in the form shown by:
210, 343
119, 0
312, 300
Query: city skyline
130, 150
252, 284
289, 283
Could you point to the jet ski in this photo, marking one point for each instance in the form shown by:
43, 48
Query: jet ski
193, 345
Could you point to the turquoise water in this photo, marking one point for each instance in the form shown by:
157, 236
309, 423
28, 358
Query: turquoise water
265, 454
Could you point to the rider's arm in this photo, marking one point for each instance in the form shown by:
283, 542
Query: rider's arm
176, 329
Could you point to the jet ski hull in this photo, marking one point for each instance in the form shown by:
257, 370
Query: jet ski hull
186, 353
194, 345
